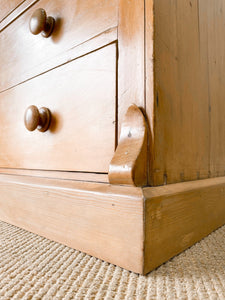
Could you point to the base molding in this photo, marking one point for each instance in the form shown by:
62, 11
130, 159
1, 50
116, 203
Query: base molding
179, 215
102, 220
135, 228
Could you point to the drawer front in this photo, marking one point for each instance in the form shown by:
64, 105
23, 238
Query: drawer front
76, 21
81, 96
7, 7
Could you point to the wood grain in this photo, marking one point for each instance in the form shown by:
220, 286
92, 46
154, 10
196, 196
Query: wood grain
8, 6
166, 57
81, 96
76, 22
181, 130
179, 215
131, 77
95, 43
78, 176
129, 163
212, 16
99, 219
16, 13
135, 228
188, 127
149, 83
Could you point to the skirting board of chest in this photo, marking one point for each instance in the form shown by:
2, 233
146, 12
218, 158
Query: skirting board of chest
112, 124
135, 228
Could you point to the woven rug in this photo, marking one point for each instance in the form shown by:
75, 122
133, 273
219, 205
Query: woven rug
32, 267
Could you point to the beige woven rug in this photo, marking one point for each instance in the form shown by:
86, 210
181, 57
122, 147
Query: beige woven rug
32, 267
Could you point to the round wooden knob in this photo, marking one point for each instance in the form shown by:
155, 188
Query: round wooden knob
37, 118
40, 23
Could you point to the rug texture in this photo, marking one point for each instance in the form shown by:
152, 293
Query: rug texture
32, 267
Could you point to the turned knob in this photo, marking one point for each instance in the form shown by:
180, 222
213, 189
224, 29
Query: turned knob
40, 23
35, 118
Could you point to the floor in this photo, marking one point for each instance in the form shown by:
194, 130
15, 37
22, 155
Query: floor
32, 267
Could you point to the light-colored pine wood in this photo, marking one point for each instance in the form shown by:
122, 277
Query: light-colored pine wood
129, 163
166, 57
80, 176
181, 99
7, 7
131, 64
76, 22
149, 83
102, 220
212, 15
81, 97
135, 228
179, 215
105, 38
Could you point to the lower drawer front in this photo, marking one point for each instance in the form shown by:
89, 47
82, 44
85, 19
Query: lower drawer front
81, 96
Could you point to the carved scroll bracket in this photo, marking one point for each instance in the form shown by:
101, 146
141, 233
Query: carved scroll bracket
129, 163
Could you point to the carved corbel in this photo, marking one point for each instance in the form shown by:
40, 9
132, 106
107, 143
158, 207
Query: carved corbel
129, 163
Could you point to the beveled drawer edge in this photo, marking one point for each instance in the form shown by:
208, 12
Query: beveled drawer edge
16, 13
95, 43
12, 10
54, 174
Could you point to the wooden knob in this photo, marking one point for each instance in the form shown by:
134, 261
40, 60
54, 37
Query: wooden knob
37, 118
40, 23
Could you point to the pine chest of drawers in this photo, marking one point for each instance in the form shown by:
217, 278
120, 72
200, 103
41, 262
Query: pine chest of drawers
112, 127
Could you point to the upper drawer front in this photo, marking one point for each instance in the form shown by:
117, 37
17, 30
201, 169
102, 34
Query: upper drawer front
76, 21
7, 6
81, 96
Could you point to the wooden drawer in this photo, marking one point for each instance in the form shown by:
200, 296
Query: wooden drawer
7, 7
76, 21
81, 96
